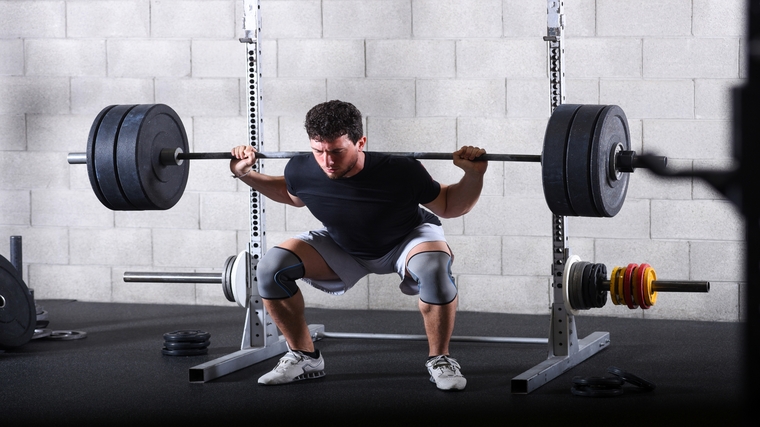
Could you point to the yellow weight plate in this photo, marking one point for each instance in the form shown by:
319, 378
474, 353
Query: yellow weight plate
613, 295
619, 285
650, 276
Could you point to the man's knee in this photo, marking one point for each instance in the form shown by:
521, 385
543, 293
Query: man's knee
432, 271
277, 272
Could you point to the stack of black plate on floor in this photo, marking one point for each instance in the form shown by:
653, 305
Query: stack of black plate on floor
186, 343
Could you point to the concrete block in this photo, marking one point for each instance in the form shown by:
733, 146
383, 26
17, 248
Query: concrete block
16, 207
108, 19
224, 211
291, 19
131, 246
725, 18
268, 58
497, 58
683, 58
696, 220
291, 97
367, 19
526, 256
12, 132
355, 298
703, 190
192, 97
306, 58
34, 95
518, 217
713, 98
502, 135
79, 282
41, 245
461, 98
376, 97
456, 19
476, 254
580, 16
524, 19
25, 19
12, 52
498, 294
148, 58
65, 57
89, 95
210, 177
689, 139
23, 170
219, 133
192, 248
527, 98
641, 99
643, 184
384, 294
184, 215
453, 226
59, 133
717, 261
670, 259
69, 208
721, 304
584, 247
645, 18
582, 91
183, 19
410, 58
632, 222
218, 58
433, 134
603, 57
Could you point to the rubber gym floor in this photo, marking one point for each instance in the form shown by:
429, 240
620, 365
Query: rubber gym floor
118, 375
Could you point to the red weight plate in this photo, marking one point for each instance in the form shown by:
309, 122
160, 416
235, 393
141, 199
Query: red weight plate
638, 286
627, 285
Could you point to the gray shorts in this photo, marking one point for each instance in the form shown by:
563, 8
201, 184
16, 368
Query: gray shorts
351, 269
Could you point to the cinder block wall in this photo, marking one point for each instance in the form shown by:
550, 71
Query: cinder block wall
429, 75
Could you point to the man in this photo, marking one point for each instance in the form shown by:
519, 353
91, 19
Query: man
369, 204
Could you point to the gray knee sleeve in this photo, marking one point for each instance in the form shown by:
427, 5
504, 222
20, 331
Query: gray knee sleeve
277, 272
432, 271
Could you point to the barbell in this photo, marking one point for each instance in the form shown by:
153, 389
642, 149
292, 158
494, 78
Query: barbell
136, 158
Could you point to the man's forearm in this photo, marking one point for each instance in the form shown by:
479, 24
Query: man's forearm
272, 187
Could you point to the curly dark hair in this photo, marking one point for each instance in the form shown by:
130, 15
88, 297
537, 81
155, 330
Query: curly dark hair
333, 119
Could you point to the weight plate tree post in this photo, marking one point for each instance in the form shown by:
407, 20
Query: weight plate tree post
565, 348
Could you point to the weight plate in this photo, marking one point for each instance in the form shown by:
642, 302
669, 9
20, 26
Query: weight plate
588, 290
18, 316
600, 275
178, 345
67, 335
227, 279
576, 287
574, 259
593, 392
146, 130
628, 287
613, 286
632, 379
553, 159
599, 382
196, 352
91, 157
650, 294
187, 335
105, 146
239, 278
610, 137
640, 286
41, 333
619, 284
580, 144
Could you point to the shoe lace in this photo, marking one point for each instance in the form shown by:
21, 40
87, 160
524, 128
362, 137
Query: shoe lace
290, 358
445, 362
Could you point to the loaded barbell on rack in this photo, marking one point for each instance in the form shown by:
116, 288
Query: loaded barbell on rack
136, 158
585, 285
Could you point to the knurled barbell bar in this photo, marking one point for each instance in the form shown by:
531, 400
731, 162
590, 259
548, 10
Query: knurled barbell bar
136, 158
585, 285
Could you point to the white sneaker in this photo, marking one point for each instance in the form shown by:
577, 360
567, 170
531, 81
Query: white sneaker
444, 372
294, 366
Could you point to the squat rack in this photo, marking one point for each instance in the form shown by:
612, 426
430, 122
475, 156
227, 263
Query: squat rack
261, 339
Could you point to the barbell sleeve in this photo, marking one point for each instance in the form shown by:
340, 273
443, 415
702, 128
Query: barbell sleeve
131, 276
674, 286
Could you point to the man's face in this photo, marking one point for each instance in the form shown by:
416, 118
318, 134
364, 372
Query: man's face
337, 157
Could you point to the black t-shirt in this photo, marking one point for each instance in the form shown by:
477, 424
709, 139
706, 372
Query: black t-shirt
371, 212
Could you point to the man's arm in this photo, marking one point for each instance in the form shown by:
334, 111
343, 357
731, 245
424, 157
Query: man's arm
458, 199
273, 187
